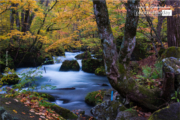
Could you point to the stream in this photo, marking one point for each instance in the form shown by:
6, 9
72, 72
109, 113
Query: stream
83, 83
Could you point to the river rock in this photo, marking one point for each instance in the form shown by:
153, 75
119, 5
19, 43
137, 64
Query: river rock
70, 65
107, 110
10, 79
171, 112
90, 65
95, 97
84, 55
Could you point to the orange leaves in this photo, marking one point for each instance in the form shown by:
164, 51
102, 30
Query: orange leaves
23, 113
43, 112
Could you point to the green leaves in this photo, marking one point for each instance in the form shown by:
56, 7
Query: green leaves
175, 97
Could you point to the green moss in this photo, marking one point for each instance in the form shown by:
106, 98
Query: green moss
100, 71
65, 113
91, 98
84, 55
171, 52
90, 65
45, 95
10, 79
121, 68
70, 65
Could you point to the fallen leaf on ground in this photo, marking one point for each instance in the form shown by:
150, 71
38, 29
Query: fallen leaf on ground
42, 117
23, 113
15, 111
16, 100
31, 110
8, 102
31, 116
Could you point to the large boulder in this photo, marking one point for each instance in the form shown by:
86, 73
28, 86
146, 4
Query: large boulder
171, 52
129, 115
10, 79
172, 65
90, 65
95, 97
107, 110
171, 112
70, 65
84, 55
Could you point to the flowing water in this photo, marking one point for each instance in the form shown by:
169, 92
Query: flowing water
82, 82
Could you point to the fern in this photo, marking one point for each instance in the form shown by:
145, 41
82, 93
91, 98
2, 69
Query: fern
146, 71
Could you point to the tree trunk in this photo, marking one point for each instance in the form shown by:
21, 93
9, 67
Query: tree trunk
26, 23
173, 26
159, 25
168, 86
116, 66
160, 21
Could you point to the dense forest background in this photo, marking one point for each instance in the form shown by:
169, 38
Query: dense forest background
50, 25
136, 48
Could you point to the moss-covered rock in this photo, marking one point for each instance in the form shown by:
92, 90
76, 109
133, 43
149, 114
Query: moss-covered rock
10, 79
45, 95
70, 65
65, 113
107, 110
90, 65
171, 52
168, 113
84, 55
48, 60
129, 114
95, 97
171, 65
100, 71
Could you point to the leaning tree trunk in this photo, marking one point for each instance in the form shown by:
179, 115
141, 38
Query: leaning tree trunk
116, 65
